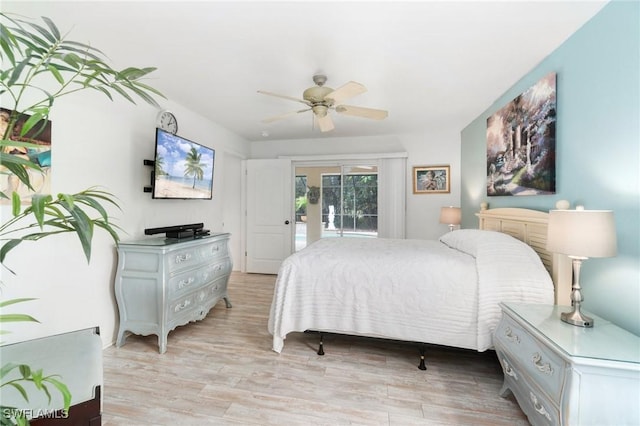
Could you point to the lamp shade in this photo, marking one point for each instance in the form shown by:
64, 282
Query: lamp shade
450, 215
582, 233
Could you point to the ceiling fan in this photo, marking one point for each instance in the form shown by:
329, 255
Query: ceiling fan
320, 99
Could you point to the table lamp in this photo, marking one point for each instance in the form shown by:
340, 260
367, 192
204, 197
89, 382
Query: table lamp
451, 216
580, 234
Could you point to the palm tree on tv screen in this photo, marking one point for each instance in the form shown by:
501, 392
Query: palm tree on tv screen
160, 166
194, 166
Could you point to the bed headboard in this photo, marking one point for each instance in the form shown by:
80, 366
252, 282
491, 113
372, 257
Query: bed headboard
530, 226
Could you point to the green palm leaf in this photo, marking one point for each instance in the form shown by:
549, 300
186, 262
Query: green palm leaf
32, 52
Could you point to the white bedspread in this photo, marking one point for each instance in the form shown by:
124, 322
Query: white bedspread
412, 290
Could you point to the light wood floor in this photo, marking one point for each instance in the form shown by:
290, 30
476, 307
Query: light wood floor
222, 371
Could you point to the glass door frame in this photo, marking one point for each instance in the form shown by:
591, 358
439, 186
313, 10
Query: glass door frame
342, 165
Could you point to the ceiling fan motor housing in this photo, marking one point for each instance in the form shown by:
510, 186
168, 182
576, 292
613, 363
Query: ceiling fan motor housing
316, 94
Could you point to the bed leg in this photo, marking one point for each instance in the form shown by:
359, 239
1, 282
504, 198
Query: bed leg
422, 365
321, 347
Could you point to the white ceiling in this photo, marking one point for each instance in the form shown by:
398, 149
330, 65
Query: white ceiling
429, 63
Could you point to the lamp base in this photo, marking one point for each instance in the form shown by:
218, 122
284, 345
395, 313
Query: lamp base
576, 318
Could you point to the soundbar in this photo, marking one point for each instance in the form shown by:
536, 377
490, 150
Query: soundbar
177, 231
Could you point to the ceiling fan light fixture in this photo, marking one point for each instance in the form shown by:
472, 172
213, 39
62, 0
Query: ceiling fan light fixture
320, 110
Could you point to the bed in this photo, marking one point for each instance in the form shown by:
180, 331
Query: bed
442, 292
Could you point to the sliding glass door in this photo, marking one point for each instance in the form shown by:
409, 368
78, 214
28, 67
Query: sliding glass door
347, 206
350, 202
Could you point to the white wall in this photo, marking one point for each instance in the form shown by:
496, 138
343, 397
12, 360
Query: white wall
98, 142
433, 147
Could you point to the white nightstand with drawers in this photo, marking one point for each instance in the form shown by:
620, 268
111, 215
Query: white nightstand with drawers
561, 374
162, 283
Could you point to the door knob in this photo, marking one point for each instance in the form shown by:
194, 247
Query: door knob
286, 222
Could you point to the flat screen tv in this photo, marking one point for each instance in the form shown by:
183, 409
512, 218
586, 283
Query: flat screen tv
183, 169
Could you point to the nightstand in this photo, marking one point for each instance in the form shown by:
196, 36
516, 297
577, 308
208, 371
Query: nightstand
561, 374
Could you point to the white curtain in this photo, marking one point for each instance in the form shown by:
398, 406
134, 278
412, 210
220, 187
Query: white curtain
392, 183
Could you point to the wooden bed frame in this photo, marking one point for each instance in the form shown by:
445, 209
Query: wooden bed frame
530, 226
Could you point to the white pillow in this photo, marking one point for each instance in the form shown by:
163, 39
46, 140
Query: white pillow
468, 240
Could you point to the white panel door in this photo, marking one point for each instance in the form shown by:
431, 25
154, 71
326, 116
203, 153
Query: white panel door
270, 220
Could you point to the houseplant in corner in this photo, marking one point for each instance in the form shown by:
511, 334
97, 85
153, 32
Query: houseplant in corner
38, 62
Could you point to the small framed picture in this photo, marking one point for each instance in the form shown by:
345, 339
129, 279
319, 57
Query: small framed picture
431, 180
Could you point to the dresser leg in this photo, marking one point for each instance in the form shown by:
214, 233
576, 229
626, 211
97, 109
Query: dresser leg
122, 337
227, 302
505, 391
162, 344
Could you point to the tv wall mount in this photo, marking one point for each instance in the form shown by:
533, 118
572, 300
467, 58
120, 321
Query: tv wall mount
149, 188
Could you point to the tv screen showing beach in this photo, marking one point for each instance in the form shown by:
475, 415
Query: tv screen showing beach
183, 169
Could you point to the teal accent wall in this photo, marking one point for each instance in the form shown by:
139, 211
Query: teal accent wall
597, 150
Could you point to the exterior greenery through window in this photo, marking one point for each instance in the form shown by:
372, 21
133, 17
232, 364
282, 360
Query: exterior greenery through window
301, 197
359, 210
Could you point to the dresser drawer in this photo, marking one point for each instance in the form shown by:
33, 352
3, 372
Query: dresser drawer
214, 250
216, 270
199, 300
216, 290
539, 409
192, 279
182, 305
181, 259
545, 367
185, 282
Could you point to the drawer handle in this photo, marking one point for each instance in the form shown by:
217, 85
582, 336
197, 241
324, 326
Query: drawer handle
184, 283
538, 407
511, 335
508, 370
183, 257
182, 305
542, 367
215, 248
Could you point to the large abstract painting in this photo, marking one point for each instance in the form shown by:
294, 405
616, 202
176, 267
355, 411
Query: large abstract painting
521, 143
39, 153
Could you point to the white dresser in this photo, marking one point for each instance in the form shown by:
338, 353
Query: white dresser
162, 283
567, 375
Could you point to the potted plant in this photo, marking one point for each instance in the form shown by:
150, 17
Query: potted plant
301, 207
31, 52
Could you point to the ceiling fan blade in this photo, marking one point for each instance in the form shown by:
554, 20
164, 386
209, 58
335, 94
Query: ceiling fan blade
346, 91
280, 117
375, 114
290, 98
324, 123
